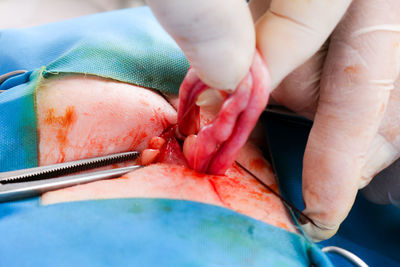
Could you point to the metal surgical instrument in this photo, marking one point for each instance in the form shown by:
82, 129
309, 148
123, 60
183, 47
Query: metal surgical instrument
35, 181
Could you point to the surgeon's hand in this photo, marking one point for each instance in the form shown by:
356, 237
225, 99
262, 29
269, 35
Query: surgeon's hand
345, 88
351, 89
217, 37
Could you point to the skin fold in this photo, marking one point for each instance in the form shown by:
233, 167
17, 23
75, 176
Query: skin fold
85, 116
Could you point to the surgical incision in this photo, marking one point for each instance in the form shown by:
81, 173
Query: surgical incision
86, 116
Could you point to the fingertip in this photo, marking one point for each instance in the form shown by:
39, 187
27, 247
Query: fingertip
290, 32
331, 176
318, 232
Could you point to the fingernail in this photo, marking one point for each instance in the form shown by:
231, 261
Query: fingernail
209, 97
318, 232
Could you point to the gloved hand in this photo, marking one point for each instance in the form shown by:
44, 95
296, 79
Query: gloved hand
351, 89
345, 88
217, 37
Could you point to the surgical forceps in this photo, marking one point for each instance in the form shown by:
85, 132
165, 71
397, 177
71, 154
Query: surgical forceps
31, 182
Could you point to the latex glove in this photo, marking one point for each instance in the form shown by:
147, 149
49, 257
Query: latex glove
345, 88
217, 37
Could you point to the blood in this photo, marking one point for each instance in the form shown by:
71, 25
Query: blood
65, 121
274, 187
282, 225
171, 150
352, 69
213, 186
137, 136
257, 164
156, 142
193, 174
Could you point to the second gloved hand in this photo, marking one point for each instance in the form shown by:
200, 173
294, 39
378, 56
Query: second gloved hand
351, 90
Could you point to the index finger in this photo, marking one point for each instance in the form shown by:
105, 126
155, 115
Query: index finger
217, 37
290, 32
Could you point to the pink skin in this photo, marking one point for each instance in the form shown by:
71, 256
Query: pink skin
72, 109
218, 143
107, 112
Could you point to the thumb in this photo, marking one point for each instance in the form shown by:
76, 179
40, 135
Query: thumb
359, 73
217, 37
290, 32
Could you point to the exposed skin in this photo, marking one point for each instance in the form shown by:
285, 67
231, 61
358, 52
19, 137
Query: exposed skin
107, 113
69, 115
344, 86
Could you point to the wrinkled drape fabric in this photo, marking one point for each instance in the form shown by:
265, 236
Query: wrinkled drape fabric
128, 46
18, 140
144, 232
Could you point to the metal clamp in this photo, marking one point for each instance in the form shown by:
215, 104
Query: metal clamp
345, 254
